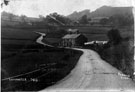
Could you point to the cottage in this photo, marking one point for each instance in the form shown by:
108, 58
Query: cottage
72, 40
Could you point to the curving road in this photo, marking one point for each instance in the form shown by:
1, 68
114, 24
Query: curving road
92, 73
41, 37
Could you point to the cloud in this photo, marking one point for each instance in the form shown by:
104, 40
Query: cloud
43, 7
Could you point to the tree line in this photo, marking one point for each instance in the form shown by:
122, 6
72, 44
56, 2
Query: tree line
57, 19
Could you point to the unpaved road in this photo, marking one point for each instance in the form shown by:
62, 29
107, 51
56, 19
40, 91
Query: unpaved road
92, 73
39, 40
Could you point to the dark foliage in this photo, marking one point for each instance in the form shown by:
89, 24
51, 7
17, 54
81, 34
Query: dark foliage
114, 36
83, 20
122, 20
118, 52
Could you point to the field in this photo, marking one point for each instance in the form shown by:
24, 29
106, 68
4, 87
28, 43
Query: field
21, 54
100, 33
61, 60
17, 39
23, 58
120, 55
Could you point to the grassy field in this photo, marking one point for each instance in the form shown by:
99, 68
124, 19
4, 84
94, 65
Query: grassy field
23, 37
29, 60
100, 33
21, 54
16, 39
120, 55
65, 60
92, 33
13, 33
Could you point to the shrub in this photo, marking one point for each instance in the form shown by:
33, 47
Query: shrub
119, 52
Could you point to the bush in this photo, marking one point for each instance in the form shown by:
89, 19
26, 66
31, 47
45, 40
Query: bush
119, 52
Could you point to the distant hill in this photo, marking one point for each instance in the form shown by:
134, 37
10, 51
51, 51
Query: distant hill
107, 11
104, 11
76, 15
9, 16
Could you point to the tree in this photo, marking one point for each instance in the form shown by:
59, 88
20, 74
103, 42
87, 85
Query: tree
121, 20
23, 18
41, 16
42, 19
83, 20
122, 52
114, 36
104, 21
55, 18
11, 16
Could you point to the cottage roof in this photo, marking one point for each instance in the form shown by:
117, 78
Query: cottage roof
68, 36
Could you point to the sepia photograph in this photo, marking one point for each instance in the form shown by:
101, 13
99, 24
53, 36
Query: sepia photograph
67, 46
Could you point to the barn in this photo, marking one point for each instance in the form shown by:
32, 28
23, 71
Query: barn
73, 40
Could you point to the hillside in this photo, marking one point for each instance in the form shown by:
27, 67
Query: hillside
76, 15
104, 11
107, 11
12, 17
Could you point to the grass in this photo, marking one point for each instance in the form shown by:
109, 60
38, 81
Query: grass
21, 54
13, 40
28, 61
12, 33
65, 59
92, 33
99, 33
120, 55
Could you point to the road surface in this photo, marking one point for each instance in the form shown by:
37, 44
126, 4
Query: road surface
40, 38
92, 73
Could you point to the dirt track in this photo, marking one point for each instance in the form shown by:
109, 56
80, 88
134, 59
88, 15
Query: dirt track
92, 73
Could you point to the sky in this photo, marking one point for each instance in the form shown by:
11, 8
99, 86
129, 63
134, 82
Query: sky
34, 8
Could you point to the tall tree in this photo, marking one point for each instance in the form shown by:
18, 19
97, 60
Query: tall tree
83, 19
122, 20
114, 36
41, 17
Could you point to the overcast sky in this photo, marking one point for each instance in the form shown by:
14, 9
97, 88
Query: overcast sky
33, 8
